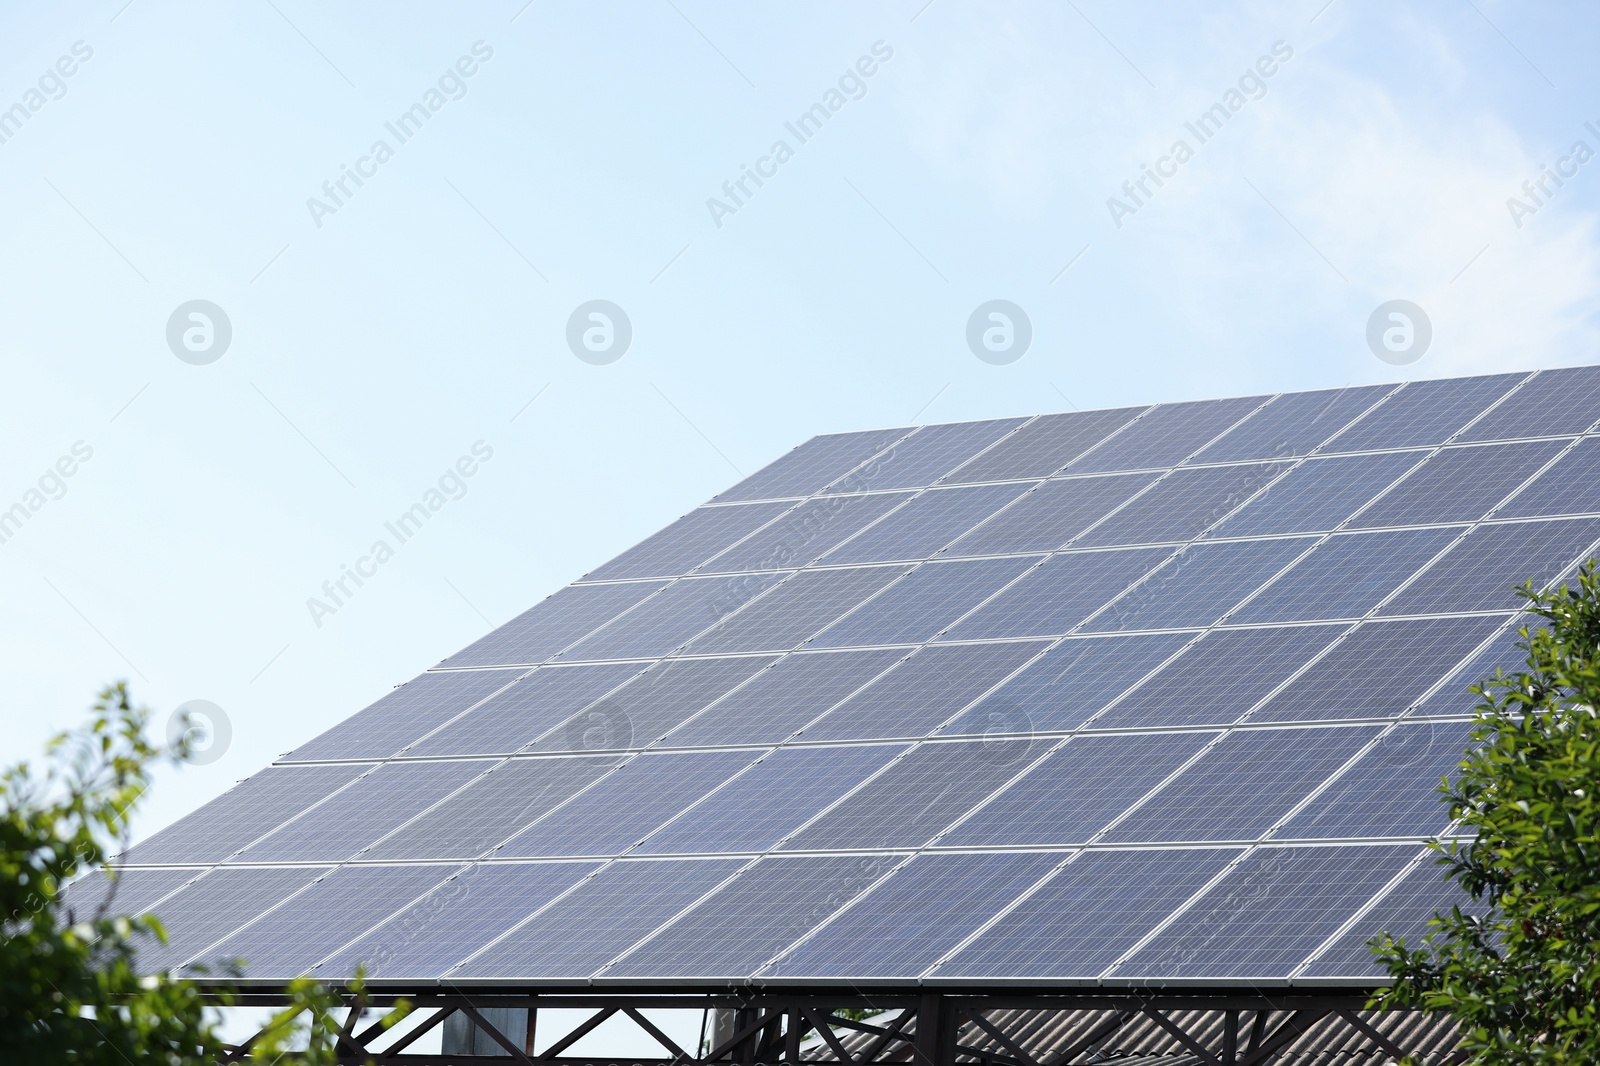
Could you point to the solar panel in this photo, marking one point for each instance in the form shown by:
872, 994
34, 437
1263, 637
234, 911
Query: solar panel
129, 892
1154, 694
1406, 911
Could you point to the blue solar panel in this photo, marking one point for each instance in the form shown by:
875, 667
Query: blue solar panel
124, 892
410, 711
1478, 574
1405, 911
924, 603
1458, 484
1050, 515
599, 920
673, 617
811, 466
1423, 412
1500, 654
910, 919
550, 625
1183, 504
1568, 487
1059, 595
1198, 586
1069, 684
215, 905
769, 801
1238, 789
1347, 575
1319, 495
1086, 916
1220, 678
926, 524
1269, 912
1552, 402
689, 541
923, 691
1292, 424
519, 715
796, 610
1166, 435
1075, 792
925, 456
1392, 790
1043, 446
805, 532
780, 700
1378, 671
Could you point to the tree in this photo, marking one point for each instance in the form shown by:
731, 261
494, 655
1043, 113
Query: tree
70, 987
1521, 976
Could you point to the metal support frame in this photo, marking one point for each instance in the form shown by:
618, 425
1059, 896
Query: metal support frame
928, 1028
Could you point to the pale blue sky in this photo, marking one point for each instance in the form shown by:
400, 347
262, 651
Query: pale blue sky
371, 351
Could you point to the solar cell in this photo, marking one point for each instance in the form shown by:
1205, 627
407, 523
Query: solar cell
1458, 484
1479, 573
1378, 671
1346, 575
1183, 504
1292, 424
924, 690
626, 806
1269, 912
1050, 514
216, 904
922, 910
288, 940
550, 625
797, 609
654, 703
805, 532
1199, 585
125, 892
1405, 911
753, 917
1069, 684
492, 808
252, 808
1086, 916
469, 909
519, 715
924, 603
780, 700
1319, 495
769, 800
1243, 785
1392, 790
1220, 678
667, 621
1077, 790
599, 920
354, 817
1055, 598
1455, 696
1166, 435
1551, 402
689, 541
1568, 487
812, 465
917, 796
925, 524
925, 456
1423, 412
410, 711
1043, 446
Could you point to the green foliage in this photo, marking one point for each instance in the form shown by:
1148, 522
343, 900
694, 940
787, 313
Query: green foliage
1521, 977
70, 988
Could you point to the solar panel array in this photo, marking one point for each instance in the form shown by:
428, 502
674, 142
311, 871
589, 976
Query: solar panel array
1159, 692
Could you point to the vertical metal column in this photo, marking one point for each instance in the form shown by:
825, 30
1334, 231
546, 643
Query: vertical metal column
936, 1032
1230, 1038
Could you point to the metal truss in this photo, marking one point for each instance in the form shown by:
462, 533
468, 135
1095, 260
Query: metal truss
1246, 1028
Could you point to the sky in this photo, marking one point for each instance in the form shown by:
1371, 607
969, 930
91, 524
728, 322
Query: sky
359, 337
